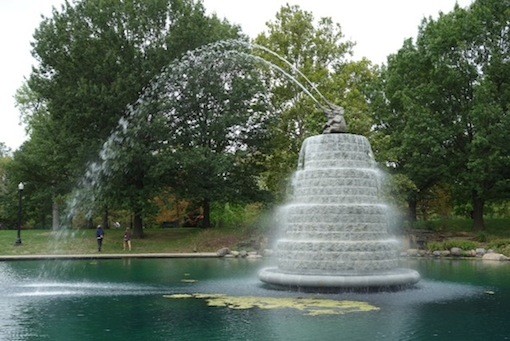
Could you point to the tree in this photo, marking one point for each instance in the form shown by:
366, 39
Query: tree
45, 172
448, 104
487, 163
316, 55
5, 159
95, 57
198, 129
38, 162
411, 127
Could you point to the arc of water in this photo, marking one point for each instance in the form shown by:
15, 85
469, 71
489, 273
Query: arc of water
94, 170
232, 44
331, 105
260, 59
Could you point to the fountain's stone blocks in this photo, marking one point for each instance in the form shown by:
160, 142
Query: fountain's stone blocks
335, 228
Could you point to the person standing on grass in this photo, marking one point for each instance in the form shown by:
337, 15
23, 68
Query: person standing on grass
99, 237
127, 239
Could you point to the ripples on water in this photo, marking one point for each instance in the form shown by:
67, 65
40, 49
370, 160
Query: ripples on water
79, 289
118, 300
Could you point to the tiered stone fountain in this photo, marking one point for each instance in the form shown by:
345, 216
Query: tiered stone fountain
335, 228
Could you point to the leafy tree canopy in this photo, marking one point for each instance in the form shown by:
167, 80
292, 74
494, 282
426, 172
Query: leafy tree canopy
447, 97
94, 58
199, 128
314, 54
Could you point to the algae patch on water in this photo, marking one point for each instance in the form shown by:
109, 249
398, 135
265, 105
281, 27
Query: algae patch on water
310, 306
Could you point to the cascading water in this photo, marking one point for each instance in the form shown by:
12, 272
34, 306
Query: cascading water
166, 90
335, 227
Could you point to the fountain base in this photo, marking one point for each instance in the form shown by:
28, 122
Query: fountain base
393, 278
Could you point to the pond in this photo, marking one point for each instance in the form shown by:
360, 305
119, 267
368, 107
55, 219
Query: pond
128, 299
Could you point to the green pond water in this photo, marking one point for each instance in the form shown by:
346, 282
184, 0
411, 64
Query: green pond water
125, 300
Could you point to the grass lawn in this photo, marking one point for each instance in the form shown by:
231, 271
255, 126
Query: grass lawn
496, 227
442, 234
45, 242
158, 240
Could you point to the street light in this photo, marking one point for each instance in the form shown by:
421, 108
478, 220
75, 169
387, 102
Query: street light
21, 186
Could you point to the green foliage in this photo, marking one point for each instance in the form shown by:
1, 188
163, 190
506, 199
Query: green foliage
317, 50
446, 113
500, 246
4, 151
397, 186
435, 246
430, 225
465, 245
200, 128
499, 209
7, 192
498, 226
504, 250
235, 216
498, 243
440, 111
482, 237
94, 58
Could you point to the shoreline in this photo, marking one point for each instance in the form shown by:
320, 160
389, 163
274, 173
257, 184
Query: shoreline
409, 254
110, 256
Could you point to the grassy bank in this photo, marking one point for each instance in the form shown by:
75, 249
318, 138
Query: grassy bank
155, 241
443, 234
497, 227
438, 234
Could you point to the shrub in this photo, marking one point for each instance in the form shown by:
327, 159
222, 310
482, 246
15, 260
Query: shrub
235, 215
435, 246
462, 244
482, 237
501, 246
505, 250
499, 243
448, 244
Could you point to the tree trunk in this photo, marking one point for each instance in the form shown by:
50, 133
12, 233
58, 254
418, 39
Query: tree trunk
106, 222
412, 210
478, 205
55, 221
137, 225
137, 206
207, 213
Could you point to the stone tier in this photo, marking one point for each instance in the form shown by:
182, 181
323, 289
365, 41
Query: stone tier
310, 234
336, 186
336, 256
344, 267
336, 151
362, 214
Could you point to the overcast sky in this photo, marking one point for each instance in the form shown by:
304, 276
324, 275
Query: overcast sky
378, 27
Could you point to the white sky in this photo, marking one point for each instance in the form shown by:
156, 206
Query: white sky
378, 27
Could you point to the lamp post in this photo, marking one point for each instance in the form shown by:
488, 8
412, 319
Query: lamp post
21, 186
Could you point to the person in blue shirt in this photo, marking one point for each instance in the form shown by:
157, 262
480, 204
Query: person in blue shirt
99, 237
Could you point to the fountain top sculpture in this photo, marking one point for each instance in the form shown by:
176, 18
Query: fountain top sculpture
336, 121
